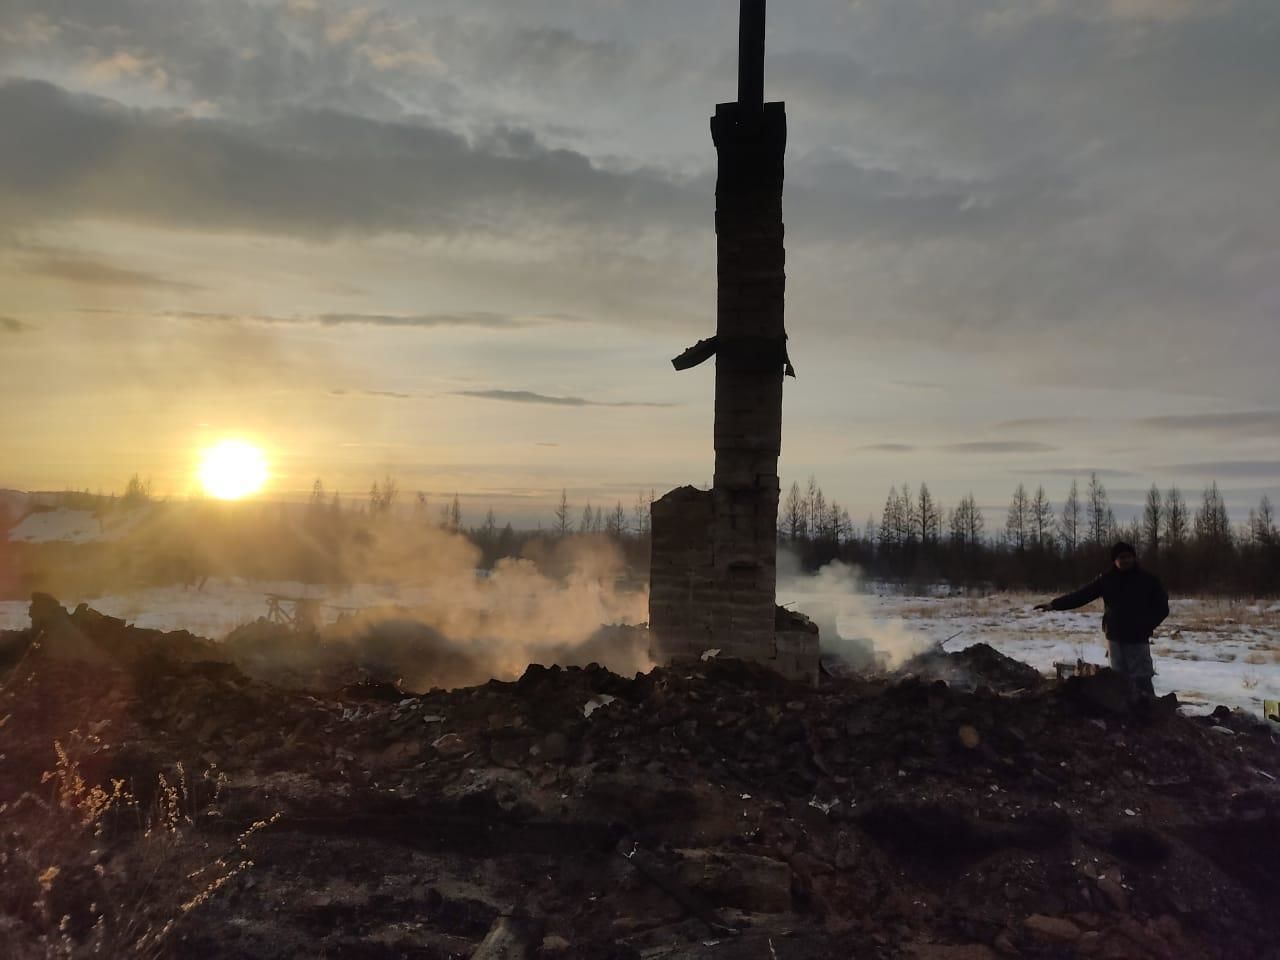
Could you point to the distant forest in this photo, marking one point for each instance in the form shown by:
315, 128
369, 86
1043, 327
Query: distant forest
1041, 545
916, 541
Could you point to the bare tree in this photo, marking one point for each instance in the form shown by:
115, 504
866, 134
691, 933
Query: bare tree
976, 522
837, 523
818, 522
640, 515
137, 491
891, 521
1263, 526
1213, 526
1018, 521
1153, 521
1070, 530
928, 517
1176, 524
382, 498
810, 495
966, 523
616, 523
389, 493
317, 506
793, 519
1042, 518
563, 525
1101, 518
956, 525
907, 518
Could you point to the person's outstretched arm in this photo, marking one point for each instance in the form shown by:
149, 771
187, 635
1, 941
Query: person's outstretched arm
1069, 601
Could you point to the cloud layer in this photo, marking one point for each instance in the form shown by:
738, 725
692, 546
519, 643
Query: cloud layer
1057, 220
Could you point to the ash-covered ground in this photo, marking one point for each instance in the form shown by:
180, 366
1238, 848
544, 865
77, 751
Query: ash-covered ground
159, 800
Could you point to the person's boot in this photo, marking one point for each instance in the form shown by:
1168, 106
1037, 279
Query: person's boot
1146, 687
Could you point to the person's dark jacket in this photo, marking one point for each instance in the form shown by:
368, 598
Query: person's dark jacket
1135, 603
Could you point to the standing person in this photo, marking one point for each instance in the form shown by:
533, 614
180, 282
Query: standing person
1135, 603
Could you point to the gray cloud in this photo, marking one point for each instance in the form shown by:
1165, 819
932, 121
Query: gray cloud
999, 446
917, 385
475, 319
373, 394
311, 173
1248, 423
1038, 423
251, 57
13, 325
320, 172
1228, 469
526, 396
1074, 473
85, 271
890, 447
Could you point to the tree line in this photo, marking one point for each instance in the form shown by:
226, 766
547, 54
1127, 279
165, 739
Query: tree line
916, 539
1040, 545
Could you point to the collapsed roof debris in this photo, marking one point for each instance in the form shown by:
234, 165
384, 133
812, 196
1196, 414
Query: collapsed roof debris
713, 809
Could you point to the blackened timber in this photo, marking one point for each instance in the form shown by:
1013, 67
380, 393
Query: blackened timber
700, 352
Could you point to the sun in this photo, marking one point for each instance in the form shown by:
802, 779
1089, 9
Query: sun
233, 469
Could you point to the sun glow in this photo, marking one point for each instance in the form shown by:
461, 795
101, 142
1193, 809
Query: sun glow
232, 469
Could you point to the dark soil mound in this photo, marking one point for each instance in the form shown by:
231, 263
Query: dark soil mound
980, 665
710, 810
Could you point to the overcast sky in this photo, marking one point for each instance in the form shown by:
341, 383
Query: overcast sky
460, 242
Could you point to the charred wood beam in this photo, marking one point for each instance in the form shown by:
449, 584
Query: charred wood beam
700, 352
747, 353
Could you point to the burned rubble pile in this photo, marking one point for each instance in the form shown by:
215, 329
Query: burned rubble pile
711, 810
979, 664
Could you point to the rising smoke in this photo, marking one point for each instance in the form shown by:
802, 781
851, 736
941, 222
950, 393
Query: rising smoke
394, 596
455, 625
835, 599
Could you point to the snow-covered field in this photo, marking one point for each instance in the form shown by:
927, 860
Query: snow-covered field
75, 526
1209, 651
223, 605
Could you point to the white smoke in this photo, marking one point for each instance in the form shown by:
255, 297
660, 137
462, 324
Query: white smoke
835, 599
450, 626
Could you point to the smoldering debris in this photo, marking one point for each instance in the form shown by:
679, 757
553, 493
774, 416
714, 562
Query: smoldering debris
415, 656
978, 665
708, 810
464, 628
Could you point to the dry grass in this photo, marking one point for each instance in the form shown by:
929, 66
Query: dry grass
88, 871
1220, 614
